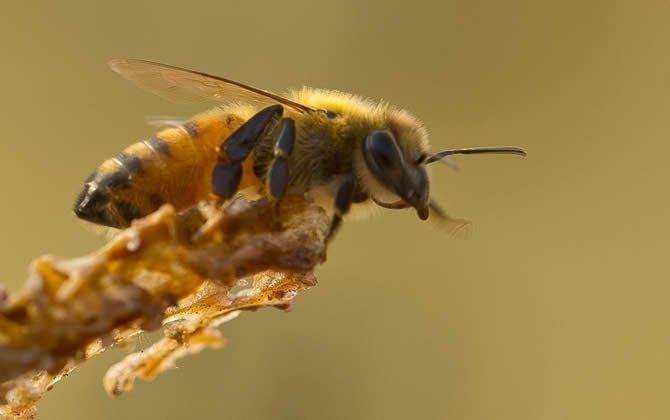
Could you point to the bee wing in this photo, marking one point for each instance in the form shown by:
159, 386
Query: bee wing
187, 86
164, 121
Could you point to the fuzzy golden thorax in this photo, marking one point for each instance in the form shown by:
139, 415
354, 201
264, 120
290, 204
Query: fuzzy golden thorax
357, 119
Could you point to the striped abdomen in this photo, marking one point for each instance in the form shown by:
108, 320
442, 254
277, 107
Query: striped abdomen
174, 166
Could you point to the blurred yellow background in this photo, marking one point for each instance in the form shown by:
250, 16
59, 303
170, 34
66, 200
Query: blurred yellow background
556, 308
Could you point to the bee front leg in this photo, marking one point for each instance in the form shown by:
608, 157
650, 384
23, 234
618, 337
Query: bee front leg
227, 173
342, 203
278, 174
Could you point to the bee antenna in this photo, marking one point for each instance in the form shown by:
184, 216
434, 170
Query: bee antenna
508, 150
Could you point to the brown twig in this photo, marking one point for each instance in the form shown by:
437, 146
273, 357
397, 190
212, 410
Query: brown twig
176, 268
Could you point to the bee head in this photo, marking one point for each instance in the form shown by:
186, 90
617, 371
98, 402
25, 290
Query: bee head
390, 167
396, 157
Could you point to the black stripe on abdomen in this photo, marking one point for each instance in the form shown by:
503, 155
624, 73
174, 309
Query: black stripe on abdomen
191, 129
158, 146
114, 180
131, 164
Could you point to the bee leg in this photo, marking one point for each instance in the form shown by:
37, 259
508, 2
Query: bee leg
342, 203
227, 173
278, 174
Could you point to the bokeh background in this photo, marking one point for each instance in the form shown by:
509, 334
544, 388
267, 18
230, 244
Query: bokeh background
556, 308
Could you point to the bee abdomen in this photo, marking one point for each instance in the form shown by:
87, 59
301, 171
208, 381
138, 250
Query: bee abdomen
174, 166
108, 197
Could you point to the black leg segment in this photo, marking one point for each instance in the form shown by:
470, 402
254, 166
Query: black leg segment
227, 173
239, 144
284, 145
342, 202
226, 178
278, 174
278, 178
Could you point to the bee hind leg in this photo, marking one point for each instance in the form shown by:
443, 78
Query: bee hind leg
227, 173
343, 201
278, 174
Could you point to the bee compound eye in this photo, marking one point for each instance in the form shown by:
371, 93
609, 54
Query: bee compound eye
382, 150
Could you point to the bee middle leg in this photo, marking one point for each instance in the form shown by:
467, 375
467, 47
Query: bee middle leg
278, 174
343, 199
227, 173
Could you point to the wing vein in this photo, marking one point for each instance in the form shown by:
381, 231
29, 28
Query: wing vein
186, 86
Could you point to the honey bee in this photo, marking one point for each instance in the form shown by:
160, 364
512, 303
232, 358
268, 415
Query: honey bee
341, 150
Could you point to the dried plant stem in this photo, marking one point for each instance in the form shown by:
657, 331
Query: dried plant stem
176, 268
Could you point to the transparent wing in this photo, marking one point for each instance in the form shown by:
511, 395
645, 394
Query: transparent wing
187, 86
164, 121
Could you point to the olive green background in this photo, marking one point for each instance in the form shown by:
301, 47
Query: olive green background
556, 308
